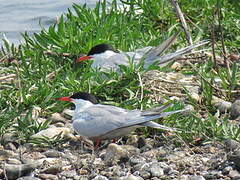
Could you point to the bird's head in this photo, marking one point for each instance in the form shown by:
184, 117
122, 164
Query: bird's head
98, 50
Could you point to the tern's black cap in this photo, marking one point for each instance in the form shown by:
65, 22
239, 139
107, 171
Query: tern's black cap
101, 48
85, 96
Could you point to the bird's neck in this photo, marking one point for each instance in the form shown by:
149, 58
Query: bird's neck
82, 106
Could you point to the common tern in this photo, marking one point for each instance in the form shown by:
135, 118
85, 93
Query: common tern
101, 122
105, 57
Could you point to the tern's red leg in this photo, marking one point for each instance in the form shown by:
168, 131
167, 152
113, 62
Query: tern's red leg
114, 141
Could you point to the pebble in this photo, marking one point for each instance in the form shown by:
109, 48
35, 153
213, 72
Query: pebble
115, 153
48, 176
156, 171
100, 177
57, 117
14, 171
136, 160
131, 177
28, 178
235, 157
196, 178
52, 153
235, 109
52, 169
5, 154
13, 161
231, 145
132, 140
52, 132
226, 170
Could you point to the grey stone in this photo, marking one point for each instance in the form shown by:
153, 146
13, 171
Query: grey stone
131, 177
56, 117
226, 170
224, 106
235, 109
196, 178
235, 157
48, 176
28, 178
136, 160
156, 171
52, 153
100, 177
231, 145
116, 153
52, 169
16, 171
132, 140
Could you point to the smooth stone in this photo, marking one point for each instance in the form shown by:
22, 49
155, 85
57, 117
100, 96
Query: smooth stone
136, 160
235, 109
235, 157
234, 173
145, 174
196, 178
226, 170
176, 156
28, 178
56, 117
132, 140
69, 174
52, 153
231, 145
224, 106
154, 153
189, 109
100, 177
156, 171
115, 153
15, 171
13, 161
52, 169
48, 176
131, 177
176, 66
52, 132
5, 154
184, 177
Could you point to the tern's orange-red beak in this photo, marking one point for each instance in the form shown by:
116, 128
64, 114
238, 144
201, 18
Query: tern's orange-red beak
64, 99
83, 58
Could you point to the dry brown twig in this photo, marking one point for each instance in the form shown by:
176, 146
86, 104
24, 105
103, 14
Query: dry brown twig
179, 14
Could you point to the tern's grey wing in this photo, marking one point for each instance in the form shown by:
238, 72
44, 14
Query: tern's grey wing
100, 119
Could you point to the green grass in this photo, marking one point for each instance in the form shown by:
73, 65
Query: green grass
41, 78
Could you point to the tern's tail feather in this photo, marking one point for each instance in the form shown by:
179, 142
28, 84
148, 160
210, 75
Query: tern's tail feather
173, 56
163, 114
157, 51
158, 126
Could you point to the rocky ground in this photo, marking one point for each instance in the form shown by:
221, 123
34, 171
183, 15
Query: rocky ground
131, 158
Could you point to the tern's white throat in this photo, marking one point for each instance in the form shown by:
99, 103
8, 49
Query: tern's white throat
81, 104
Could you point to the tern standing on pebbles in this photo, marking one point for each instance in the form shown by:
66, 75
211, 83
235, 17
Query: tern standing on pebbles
100, 122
